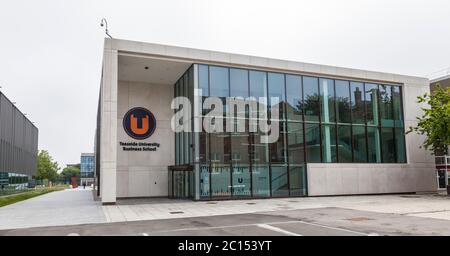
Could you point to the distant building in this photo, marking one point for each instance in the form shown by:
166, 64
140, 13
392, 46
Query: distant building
18, 146
74, 165
444, 82
87, 168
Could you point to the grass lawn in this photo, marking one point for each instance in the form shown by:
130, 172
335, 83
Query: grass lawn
11, 199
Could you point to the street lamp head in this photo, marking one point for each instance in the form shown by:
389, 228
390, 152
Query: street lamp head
104, 23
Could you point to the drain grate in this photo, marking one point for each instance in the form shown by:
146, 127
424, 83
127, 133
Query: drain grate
251, 203
176, 212
211, 203
410, 196
359, 219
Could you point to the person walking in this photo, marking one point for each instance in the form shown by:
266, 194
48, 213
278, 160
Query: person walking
84, 185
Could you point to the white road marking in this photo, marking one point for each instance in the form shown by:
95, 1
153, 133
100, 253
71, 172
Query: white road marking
279, 230
258, 224
145, 234
73, 234
329, 227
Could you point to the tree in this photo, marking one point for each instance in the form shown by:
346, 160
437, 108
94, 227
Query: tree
435, 122
70, 172
46, 167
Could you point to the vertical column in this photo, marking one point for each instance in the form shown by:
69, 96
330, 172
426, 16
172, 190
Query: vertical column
197, 107
108, 152
325, 122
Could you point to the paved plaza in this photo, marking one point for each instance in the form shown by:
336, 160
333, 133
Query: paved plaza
428, 205
67, 207
71, 212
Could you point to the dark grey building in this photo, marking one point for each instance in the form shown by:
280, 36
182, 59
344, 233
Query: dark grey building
18, 145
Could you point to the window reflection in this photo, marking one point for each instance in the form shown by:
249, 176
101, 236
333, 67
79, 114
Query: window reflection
322, 120
311, 104
372, 104
327, 100
357, 94
343, 101
294, 97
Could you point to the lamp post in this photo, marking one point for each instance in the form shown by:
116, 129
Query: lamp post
104, 23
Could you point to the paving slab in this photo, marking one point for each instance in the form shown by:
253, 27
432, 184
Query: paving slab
67, 207
307, 222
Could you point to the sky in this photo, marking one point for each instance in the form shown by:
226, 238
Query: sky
51, 50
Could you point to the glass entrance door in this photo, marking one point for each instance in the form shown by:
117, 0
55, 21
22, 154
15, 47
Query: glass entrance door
181, 182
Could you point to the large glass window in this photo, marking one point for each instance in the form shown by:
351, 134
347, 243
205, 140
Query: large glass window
359, 144
357, 98
220, 147
260, 167
322, 120
388, 145
372, 104
329, 150
397, 101
240, 158
294, 97
312, 136
327, 100
386, 106
373, 142
280, 184
297, 180
278, 159
260, 180
203, 79
343, 102
204, 181
220, 181
278, 151
241, 180
239, 88
258, 90
238, 83
311, 104
218, 81
345, 144
296, 145
277, 91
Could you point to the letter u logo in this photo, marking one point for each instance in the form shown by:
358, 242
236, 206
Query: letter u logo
143, 127
139, 123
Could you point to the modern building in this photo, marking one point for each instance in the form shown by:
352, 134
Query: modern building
443, 81
341, 131
18, 146
87, 169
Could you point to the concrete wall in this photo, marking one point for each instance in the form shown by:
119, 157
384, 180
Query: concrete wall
418, 175
144, 174
108, 125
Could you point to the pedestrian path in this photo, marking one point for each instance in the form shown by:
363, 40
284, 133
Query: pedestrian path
67, 207
431, 206
76, 206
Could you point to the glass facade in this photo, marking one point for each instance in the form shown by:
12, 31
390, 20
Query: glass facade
87, 166
321, 120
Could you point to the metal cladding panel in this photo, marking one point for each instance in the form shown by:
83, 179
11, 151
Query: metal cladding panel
18, 140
